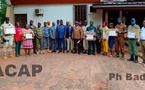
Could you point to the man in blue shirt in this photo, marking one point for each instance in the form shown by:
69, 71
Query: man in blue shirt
53, 36
46, 35
61, 31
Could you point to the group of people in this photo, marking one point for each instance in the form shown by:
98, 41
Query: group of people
72, 38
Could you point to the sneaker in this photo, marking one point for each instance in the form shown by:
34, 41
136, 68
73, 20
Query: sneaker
110, 56
143, 62
5, 57
11, 56
116, 56
122, 58
93, 54
67, 52
60, 52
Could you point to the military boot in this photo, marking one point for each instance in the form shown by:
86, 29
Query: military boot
131, 58
136, 59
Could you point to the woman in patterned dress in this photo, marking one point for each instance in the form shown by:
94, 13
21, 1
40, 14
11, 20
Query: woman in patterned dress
27, 42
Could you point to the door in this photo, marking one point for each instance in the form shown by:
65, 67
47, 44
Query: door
22, 19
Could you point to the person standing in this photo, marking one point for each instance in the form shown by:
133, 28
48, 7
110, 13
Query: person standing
91, 44
111, 41
9, 38
32, 27
53, 36
57, 22
69, 31
61, 31
142, 41
132, 43
77, 35
18, 39
119, 40
27, 41
39, 38
99, 39
85, 42
105, 39
46, 35
48, 26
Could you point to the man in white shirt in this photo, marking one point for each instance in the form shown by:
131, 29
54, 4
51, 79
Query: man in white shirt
142, 41
85, 42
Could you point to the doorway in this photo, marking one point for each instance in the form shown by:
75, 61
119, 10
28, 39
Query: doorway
22, 19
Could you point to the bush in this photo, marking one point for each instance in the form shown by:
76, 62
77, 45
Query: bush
3, 7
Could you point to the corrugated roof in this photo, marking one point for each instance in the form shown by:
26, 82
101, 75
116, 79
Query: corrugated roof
119, 5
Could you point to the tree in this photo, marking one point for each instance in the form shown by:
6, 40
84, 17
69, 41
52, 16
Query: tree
3, 7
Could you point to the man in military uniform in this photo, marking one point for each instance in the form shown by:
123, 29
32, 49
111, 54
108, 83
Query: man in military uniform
99, 39
91, 44
85, 42
34, 40
9, 38
119, 40
132, 43
39, 38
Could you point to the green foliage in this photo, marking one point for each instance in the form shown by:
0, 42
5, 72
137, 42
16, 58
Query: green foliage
3, 7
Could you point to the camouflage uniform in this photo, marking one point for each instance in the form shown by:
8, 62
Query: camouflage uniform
39, 38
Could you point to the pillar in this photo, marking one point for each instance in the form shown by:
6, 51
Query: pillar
106, 17
120, 13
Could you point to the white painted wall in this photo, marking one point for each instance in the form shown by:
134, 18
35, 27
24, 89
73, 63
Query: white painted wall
95, 17
55, 12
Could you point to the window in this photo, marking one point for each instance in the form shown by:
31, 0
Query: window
80, 12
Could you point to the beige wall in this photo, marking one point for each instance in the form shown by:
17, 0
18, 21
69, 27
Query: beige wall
10, 13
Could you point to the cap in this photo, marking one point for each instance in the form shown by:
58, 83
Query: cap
61, 20
39, 23
7, 18
31, 21
119, 19
86, 21
77, 22
91, 21
133, 20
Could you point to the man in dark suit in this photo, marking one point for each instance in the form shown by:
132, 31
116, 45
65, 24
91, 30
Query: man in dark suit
69, 30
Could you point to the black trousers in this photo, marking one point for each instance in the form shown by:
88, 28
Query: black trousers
98, 46
34, 45
76, 45
91, 47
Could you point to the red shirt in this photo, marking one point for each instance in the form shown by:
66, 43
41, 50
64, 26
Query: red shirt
18, 35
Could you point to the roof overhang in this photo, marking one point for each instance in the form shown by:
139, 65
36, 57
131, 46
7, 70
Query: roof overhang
118, 6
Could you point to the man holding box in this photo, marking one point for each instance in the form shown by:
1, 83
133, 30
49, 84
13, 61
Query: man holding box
119, 40
91, 44
9, 39
132, 43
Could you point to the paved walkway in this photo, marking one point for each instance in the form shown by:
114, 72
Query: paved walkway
72, 72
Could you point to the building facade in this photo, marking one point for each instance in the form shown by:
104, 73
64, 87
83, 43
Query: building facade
76, 10
72, 11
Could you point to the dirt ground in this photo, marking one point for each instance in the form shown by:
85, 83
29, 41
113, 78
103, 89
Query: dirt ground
72, 72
